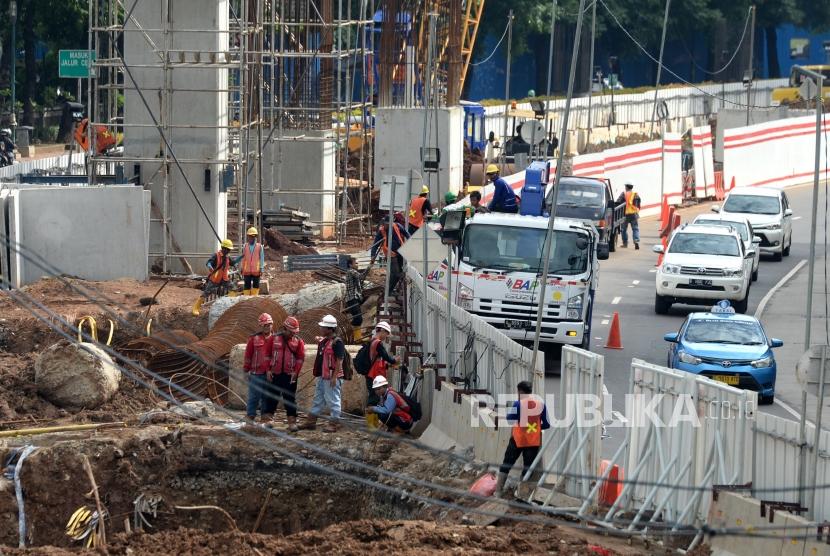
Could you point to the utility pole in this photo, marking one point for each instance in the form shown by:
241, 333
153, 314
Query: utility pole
13, 16
550, 66
659, 67
559, 163
591, 68
750, 71
433, 20
502, 155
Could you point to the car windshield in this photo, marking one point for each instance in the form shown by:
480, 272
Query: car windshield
724, 331
513, 248
704, 244
581, 194
753, 204
739, 226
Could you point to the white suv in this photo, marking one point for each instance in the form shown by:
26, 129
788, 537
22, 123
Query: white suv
703, 264
768, 209
744, 229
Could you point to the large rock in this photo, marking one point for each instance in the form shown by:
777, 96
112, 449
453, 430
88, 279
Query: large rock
76, 376
237, 378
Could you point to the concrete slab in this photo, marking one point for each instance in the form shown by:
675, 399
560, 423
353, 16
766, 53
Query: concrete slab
436, 438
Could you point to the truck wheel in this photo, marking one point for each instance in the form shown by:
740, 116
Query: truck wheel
741, 306
786, 251
612, 242
661, 304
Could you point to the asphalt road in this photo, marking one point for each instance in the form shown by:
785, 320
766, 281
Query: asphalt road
627, 286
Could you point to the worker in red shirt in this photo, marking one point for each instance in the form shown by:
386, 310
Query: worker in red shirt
287, 358
257, 365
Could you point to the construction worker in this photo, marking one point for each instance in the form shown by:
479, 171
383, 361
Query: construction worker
379, 357
354, 296
449, 199
632, 215
253, 261
504, 199
475, 203
530, 417
399, 236
419, 208
257, 365
7, 147
391, 408
287, 358
328, 370
218, 279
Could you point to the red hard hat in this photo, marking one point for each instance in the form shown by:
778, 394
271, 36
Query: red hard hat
292, 324
265, 318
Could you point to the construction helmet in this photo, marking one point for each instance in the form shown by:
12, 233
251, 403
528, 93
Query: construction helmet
383, 325
5, 131
492, 169
449, 197
292, 324
264, 319
227, 244
252, 231
424, 190
328, 322
379, 381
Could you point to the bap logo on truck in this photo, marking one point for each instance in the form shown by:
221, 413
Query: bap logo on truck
436, 275
520, 284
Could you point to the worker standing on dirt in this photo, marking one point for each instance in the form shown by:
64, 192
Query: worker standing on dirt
504, 199
530, 417
253, 262
354, 296
287, 358
257, 365
218, 280
391, 409
328, 370
632, 215
381, 242
419, 208
380, 358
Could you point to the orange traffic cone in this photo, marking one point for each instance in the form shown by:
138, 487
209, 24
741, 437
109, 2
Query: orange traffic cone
614, 338
664, 211
732, 184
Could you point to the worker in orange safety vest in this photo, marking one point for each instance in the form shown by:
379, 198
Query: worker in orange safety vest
632, 215
419, 208
530, 418
253, 261
218, 279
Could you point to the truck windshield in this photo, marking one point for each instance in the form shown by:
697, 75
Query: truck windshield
513, 248
581, 195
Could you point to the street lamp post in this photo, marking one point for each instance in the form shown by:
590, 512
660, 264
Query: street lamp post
13, 17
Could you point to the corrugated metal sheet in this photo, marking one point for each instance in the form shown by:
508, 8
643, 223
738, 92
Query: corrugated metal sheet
40, 164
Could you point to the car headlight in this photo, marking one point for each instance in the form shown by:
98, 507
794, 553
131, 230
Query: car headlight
686, 358
762, 363
776, 226
464, 292
671, 269
736, 272
573, 314
575, 302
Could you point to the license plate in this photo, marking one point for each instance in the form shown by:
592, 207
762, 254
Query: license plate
698, 282
732, 380
518, 324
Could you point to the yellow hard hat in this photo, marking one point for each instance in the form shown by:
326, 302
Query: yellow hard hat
424, 189
252, 231
227, 244
492, 169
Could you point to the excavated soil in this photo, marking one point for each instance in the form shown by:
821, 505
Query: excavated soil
279, 245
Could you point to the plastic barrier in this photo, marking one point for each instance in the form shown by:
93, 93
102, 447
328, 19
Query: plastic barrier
720, 194
665, 232
611, 487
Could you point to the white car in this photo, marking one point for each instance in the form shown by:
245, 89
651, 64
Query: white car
703, 264
769, 212
745, 230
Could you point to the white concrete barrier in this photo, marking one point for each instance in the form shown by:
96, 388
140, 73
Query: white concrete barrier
703, 162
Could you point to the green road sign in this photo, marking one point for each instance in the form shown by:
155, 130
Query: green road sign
75, 63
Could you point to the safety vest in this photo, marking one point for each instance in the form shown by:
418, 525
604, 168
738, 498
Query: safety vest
401, 407
329, 361
630, 207
527, 432
379, 365
258, 353
383, 245
250, 259
288, 355
416, 211
222, 271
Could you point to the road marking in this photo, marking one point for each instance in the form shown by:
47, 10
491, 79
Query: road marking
653, 270
764, 300
797, 217
616, 300
604, 322
788, 409
635, 282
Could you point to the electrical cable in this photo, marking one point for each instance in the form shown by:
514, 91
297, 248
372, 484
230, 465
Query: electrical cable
734, 54
495, 49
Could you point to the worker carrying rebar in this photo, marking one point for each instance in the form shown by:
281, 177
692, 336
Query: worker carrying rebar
381, 242
504, 199
392, 410
530, 418
379, 358
328, 370
287, 358
419, 209
632, 215
253, 262
258, 364
218, 279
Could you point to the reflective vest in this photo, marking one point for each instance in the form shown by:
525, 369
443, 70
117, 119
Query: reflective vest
251, 259
222, 271
630, 207
288, 355
329, 361
258, 353
416, 211
379, 365
401, 407
383, 245
527, 432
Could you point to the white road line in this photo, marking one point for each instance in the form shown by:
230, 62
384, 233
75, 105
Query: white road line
635, 282
604, 322
616, 300
653, 270
788, 409
764, 300
797, 217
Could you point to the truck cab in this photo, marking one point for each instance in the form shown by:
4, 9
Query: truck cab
592, 201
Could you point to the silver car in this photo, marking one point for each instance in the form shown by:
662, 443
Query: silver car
769, 212
744, 229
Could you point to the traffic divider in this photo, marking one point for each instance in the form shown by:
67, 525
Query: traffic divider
673, 222
720, 194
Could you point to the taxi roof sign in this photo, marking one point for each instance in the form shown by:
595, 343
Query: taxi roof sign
723, 307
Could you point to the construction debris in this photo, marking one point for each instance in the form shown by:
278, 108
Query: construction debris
76, 376
280, 245
292, 223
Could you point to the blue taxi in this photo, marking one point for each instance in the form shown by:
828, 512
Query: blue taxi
727, 347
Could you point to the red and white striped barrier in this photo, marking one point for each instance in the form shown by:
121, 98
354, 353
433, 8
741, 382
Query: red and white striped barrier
704, 165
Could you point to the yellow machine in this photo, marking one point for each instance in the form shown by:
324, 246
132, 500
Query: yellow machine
787, 95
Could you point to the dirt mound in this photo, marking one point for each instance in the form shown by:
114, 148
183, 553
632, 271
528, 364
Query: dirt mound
279, 245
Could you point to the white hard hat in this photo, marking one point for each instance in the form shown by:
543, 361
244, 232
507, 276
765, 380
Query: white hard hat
328, 322
383, 325
379, 381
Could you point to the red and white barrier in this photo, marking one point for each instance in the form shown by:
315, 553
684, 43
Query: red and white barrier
778, 153
704, 165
